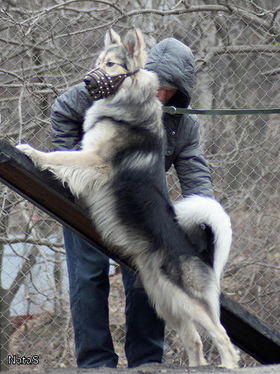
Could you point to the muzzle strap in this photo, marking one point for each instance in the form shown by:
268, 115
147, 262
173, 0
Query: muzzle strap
100, 85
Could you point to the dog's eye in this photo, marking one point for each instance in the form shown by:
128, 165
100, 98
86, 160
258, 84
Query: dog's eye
110, 64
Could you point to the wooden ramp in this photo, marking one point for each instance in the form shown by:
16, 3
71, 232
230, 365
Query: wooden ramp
18, 172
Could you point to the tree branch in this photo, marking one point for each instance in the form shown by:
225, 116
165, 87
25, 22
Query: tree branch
22, 273
271, 73
42, 242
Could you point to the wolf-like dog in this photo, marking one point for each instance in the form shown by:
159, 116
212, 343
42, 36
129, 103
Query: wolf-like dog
119, 172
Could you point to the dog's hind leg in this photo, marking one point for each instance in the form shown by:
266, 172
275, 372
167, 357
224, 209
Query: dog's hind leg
187, 312
173, 305
191, 314
213, 327
192, 343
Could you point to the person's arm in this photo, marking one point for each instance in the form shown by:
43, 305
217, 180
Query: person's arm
192, 169
67, 116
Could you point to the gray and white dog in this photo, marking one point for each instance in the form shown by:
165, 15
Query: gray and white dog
119, 172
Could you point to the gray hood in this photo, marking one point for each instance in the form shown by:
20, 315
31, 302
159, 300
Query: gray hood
174, 63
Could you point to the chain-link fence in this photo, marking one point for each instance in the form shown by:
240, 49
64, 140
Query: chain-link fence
48, 46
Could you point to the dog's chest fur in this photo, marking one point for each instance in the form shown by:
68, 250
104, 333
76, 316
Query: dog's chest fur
102, 138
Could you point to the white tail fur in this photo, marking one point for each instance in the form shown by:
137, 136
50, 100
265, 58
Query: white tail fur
196, 210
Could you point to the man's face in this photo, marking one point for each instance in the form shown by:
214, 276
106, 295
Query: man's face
165, 94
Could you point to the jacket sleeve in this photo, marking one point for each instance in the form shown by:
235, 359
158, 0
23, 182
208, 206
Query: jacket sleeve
67, 116
192, 169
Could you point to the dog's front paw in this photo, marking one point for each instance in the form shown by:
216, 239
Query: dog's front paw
26, 149
32, 153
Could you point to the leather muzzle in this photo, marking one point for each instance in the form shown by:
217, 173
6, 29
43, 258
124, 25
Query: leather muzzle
100, 85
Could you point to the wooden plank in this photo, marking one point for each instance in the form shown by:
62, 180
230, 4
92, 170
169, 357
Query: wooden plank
249, 333
42, 189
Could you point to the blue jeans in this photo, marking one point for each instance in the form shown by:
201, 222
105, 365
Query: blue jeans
89, 290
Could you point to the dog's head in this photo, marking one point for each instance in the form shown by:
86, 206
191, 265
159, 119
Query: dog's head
118, 60
121, 57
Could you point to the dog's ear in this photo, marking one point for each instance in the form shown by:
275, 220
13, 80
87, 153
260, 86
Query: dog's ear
111, 38
135, 49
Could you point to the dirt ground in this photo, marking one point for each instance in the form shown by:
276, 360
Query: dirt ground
164, 369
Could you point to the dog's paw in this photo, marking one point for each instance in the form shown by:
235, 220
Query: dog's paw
32, 153
26, 149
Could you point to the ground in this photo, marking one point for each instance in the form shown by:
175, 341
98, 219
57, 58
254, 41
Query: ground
165, 369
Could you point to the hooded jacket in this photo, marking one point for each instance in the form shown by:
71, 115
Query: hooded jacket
173, 62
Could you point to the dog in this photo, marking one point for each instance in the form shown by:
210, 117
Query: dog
179, 251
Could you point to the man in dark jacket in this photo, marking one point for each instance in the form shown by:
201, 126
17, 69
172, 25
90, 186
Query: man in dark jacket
87, 267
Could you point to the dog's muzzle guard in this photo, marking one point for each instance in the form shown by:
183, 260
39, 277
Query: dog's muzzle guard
100, 85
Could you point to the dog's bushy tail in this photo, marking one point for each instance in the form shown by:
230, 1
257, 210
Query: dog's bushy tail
197, 213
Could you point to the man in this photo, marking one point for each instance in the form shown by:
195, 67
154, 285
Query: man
87, 267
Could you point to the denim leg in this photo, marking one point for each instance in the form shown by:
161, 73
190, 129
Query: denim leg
144, 329
89, 290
